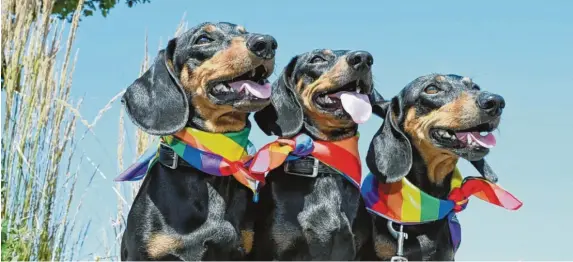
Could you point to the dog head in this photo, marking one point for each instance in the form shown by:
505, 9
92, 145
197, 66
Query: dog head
444, 117
211, 77
326, 92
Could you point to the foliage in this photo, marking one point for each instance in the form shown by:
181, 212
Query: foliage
64, 9
40, 192
40, 195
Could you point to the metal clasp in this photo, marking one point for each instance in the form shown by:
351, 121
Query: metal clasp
314, 169
400, 236
175, 163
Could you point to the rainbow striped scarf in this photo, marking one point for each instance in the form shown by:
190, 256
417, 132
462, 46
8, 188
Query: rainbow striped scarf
404, 203
276, 153
217, 154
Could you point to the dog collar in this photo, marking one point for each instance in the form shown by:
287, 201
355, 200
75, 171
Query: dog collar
330, 153
404, 203
217, 154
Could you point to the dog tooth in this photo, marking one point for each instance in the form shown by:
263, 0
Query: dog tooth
446, 135
469, 138
483, 133
220, 88
253, 72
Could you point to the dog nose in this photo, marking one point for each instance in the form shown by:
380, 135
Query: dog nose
492, 104
263, 46
360, 60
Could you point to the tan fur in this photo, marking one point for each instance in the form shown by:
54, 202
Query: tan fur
455, 115
328, 81
161, 244
226, 64
247, 237
385, 248
209, 28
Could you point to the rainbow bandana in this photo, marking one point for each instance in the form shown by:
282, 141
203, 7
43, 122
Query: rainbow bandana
404, 203
217, 154
276, 153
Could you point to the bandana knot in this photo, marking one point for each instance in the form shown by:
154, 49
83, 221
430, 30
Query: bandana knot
459, 199
276, 153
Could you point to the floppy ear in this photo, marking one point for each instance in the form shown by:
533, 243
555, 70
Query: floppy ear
485, 170
156, 102
284, 116
377, 102
389, 157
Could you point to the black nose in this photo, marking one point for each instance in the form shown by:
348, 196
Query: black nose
263, 46
360, 60
492, 104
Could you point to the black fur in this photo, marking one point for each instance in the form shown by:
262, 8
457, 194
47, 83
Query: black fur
301, 218
156, 102
391, 157
200, 215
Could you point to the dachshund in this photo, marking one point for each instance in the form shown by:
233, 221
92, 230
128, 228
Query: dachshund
308, 210
432, 123
180, 212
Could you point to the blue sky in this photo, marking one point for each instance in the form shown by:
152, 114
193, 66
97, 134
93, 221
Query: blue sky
522, 50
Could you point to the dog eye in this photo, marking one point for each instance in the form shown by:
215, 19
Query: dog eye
203, 40
317, 59
431, 89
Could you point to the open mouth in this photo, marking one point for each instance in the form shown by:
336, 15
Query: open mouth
350, 99
478, 138
252, 85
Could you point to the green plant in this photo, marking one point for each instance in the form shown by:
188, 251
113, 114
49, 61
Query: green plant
40, 194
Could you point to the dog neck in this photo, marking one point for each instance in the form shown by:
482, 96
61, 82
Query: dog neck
432, 169
227, 122
331, 134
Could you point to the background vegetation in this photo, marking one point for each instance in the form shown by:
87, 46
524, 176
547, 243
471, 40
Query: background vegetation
40, 191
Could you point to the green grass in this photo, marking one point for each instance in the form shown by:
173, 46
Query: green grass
40, 193
39, 183
38, 135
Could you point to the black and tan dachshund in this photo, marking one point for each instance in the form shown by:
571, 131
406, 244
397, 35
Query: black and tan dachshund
422, 138
301, 215
181, 213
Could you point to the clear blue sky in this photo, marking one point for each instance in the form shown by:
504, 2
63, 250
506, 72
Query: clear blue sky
522, 50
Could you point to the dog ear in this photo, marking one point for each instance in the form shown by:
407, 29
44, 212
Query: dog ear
377, 102
485, 170
156, 102
390, 154
284, 116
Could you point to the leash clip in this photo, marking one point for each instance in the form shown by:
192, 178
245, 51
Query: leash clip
314, 169
400, 236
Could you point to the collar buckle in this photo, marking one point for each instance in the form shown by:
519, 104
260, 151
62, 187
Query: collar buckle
399, 236
314, 173
175, 157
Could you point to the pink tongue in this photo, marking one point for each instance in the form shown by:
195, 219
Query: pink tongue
487, 141
258, 90
356, 105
